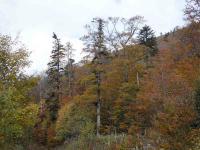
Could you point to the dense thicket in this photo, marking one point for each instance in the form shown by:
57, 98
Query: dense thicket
18, 112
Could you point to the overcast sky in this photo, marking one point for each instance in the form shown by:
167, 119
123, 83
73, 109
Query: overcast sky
35, 20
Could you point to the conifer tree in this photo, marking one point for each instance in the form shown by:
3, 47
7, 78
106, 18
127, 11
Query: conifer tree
146, 37
95, 45
54, 73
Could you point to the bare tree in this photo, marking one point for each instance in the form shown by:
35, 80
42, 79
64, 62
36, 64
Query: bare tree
70, 71
121, 32
191, 35
192, 10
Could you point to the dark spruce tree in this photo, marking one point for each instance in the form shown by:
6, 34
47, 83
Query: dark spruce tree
146, 37
54, 73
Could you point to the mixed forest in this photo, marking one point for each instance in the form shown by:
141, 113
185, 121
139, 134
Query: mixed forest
132, 90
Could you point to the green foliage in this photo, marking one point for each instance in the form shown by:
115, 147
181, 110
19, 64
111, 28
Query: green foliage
17, 112
123, 114
110, 142
114, 92
17, 121
94, 41
73, 122
55, 68
146, 37
13, 58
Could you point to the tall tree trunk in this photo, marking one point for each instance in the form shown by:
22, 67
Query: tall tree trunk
98, 103
58, 73
138, 80
70, 79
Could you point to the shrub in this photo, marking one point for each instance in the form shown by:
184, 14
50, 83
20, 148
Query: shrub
73, 122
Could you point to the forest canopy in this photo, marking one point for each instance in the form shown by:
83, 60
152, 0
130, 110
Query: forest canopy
132, 90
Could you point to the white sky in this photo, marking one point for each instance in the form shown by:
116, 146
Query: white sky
35, 20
